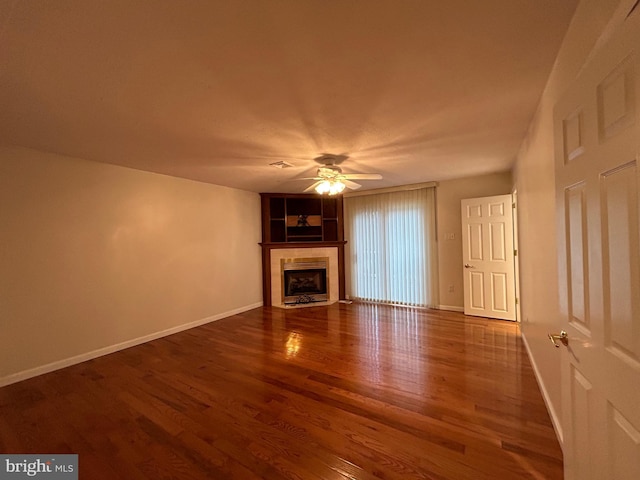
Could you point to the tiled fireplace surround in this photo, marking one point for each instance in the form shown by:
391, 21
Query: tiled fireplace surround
333, 281
272, 266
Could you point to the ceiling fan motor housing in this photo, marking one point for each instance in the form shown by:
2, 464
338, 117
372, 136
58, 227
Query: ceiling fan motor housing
329, 171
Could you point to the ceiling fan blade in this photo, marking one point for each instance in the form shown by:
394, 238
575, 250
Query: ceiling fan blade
351, 185
312, 187
362, 176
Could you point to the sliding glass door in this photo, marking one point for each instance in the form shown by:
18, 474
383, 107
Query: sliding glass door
392, 247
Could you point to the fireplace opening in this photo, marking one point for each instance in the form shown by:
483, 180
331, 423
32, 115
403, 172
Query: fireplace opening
304, 281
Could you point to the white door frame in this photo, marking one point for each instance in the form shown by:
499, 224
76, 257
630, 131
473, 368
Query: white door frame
516, 261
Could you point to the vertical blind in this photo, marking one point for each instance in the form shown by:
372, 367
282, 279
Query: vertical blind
392, 247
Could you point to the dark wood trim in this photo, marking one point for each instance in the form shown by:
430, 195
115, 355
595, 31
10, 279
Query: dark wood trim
266, 277
301, 244
340, 218
341, 273
265, 217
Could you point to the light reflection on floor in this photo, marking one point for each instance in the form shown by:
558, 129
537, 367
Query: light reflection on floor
470, 374
401, 348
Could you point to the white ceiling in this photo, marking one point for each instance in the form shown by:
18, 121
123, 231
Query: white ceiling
417, 90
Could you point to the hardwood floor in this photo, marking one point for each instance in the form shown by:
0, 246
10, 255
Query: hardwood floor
342, 392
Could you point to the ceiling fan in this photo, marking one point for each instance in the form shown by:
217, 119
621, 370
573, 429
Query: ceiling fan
331, 180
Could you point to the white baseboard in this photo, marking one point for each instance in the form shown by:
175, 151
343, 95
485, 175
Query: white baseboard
83, 357
451, 308
557, 425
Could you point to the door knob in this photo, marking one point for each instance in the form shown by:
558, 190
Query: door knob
466, 265
562, 336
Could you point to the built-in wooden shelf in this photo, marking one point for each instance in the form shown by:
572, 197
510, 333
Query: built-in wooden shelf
300, 221
290, 218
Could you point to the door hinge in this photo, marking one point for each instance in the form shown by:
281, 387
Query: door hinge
513, 205
515, 253
516, 301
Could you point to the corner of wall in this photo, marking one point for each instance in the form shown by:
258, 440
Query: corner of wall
449, 229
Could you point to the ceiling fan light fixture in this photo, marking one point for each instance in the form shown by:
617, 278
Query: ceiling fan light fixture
323, 187
332, 187
336, 187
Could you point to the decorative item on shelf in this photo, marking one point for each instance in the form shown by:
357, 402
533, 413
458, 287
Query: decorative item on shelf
302, 221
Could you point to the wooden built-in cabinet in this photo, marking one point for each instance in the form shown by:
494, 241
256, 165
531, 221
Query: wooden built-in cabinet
299, 221
301, 218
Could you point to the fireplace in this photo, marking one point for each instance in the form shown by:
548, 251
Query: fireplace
304, 280
295, 259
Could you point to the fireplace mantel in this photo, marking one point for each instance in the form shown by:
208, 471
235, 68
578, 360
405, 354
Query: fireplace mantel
301, 244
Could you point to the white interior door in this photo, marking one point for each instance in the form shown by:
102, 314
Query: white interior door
597, 132
487, 255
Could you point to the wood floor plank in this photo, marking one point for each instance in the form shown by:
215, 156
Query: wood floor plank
354, 391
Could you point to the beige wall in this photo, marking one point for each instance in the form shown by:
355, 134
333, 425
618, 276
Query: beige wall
95, 257
534, 180
449, 194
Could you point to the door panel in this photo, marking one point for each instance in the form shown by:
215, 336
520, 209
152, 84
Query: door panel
499, 292
581, 391
577, 249
477, 290
625, 445
498, 242
597, 132
475, 241
488, 257
620, 260
616, 100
